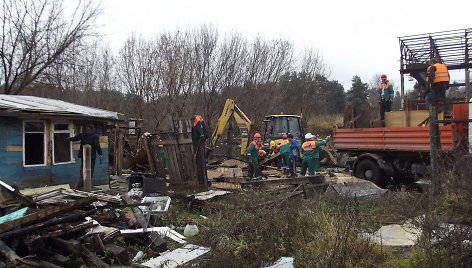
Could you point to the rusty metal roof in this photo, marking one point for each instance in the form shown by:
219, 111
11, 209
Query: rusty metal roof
52, 106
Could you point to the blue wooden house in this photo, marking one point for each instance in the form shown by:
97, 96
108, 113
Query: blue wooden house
34, 146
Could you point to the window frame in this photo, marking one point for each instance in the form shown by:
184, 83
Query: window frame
44, 142
70, 131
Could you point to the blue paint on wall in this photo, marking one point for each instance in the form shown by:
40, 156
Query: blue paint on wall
12, 169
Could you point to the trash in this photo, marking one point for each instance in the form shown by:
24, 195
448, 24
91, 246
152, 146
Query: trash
284, 262
203, 217
177, 257
190, 230
159, 204
138, 256
135, 192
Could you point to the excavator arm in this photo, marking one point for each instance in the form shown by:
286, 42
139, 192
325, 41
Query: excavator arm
244, 124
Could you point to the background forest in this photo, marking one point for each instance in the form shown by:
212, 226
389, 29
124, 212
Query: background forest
51, 53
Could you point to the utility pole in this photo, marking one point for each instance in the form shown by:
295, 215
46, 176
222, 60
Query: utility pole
435, 144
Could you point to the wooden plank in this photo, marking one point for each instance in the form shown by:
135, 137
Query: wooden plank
46, 214
14, 148
297, 180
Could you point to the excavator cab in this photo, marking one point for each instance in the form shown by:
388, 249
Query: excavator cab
278, 125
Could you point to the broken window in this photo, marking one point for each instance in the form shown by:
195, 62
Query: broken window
62, 147
34, 152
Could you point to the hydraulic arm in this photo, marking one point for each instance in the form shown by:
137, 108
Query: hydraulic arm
244, 124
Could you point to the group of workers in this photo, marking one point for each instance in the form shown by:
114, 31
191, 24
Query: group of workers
289, 154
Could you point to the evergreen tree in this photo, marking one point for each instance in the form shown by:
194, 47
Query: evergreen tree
359, 91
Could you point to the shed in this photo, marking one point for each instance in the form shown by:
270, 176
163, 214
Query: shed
34, 145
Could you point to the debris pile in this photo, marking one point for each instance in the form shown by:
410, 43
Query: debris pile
62, 227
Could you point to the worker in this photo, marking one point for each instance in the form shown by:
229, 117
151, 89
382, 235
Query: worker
293, 155
252, 153
273, 150
311, 154
199, 136
284, 149
438, 81
386, 94
90, 137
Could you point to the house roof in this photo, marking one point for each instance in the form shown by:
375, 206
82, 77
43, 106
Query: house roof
51, 106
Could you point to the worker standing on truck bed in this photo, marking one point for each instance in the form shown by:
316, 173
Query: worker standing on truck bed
293, 155
252, 154
311, 154
438, 81
284, 149
385, 96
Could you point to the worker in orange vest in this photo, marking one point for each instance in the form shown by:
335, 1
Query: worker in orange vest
284, 149
438, 81
385, 96
253, 153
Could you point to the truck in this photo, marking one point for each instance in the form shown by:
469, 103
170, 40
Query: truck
382, 154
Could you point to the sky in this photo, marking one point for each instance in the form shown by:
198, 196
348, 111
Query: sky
353, 37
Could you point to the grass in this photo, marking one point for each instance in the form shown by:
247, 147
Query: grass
323, 125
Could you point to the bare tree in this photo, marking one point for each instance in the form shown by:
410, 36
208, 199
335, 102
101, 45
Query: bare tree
312, 63
34, 35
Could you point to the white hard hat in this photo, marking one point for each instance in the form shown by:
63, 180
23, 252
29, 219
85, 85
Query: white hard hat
308, 136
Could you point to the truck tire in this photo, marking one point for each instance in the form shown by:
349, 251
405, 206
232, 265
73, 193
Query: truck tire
367, 169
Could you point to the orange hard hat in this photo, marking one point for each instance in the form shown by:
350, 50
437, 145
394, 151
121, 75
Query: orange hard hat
284, 136
257, 135
384, 76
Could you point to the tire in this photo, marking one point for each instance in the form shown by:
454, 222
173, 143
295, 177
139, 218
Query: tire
367, 169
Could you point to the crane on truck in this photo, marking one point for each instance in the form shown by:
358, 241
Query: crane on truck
244, 124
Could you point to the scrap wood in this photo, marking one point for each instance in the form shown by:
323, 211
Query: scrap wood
249, 163
70, 229
75, 248
46, 213
60, 195
38, 226
13, 216
27, 201
270, 159
42, 190
208, 195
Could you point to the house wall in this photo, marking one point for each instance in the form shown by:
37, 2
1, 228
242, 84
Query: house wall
13, 170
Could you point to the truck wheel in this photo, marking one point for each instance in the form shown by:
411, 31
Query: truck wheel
367, 169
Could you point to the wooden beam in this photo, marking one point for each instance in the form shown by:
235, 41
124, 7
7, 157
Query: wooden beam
297, 180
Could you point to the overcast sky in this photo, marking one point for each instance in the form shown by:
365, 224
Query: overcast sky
354, 37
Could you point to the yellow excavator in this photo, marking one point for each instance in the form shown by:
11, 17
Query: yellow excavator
244, 124
278, 125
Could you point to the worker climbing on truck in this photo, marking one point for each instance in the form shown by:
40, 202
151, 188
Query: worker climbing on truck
284, 149
438, 81
252, 154
311, 154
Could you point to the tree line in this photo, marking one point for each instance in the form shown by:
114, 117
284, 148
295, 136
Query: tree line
173, 75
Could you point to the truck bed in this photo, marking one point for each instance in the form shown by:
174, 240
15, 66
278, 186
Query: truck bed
405, 139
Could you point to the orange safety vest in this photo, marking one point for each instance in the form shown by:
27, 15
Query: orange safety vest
255, 145
283, 142
309, 145
441, 74
385, 85
197, 119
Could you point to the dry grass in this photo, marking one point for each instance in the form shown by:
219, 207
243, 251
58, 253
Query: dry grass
323, 125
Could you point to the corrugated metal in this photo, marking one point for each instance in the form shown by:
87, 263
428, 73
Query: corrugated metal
410, 139
37, 104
